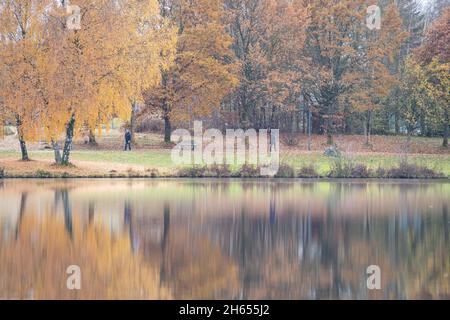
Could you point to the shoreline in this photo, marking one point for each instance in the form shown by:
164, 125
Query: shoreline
175, 177
98, 164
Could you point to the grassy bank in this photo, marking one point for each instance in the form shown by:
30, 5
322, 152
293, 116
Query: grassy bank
157, 163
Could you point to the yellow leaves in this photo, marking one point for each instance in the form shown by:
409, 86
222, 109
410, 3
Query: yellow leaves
203, 71
37, 260
23, 64
357, 57
417, 93
94, 72
185, 259
435, 80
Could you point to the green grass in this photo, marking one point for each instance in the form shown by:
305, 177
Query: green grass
322, 164
152, 158
157, 158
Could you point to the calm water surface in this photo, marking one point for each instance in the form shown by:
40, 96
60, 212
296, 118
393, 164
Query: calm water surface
224, 239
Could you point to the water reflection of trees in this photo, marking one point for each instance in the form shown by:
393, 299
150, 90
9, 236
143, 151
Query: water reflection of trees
325, 257
190, 264
34, 262
292, 243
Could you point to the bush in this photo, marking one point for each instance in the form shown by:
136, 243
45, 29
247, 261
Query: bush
132, 173
360, 170
2, 172
43, 174
308, 172
214, 171
249, 171
115, 174
340, 168
407, 170
65, 175
192, 172
285, 171
219, 171
344, 167
381, 173
154, 173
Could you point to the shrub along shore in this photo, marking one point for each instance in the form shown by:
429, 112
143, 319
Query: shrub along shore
315, 167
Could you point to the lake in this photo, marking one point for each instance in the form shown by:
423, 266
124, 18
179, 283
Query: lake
224, 239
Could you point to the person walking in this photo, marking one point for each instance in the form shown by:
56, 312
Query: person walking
127, 140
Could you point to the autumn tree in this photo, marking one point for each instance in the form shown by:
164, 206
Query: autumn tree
370, 79
332, 51
415, 96
103, 66
203, 71
268, 37
23, 64
413, 24
348, 61
434, 55
438, 78
435, 8
437, 41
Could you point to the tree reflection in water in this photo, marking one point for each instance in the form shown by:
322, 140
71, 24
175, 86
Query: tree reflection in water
235, 240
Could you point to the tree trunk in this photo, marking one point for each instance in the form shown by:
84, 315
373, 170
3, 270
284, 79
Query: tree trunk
368, 126
68, 143
348, 124
23, 145
23, 149
408, 140
57, 152
386, 123
445, 142
423, 128
295, 120
23, 203
91, 212
133, 121
92, 141
304, 115
167, 129
309, 128
397, 126
446, 130
128, 219
164, 244
329, 132
68, 219
347, 119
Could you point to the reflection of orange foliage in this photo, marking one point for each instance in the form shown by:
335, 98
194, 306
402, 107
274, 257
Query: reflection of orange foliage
34, 265
336, 267
432, 275
197, 269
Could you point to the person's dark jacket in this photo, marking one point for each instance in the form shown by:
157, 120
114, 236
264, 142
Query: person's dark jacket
128, 137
